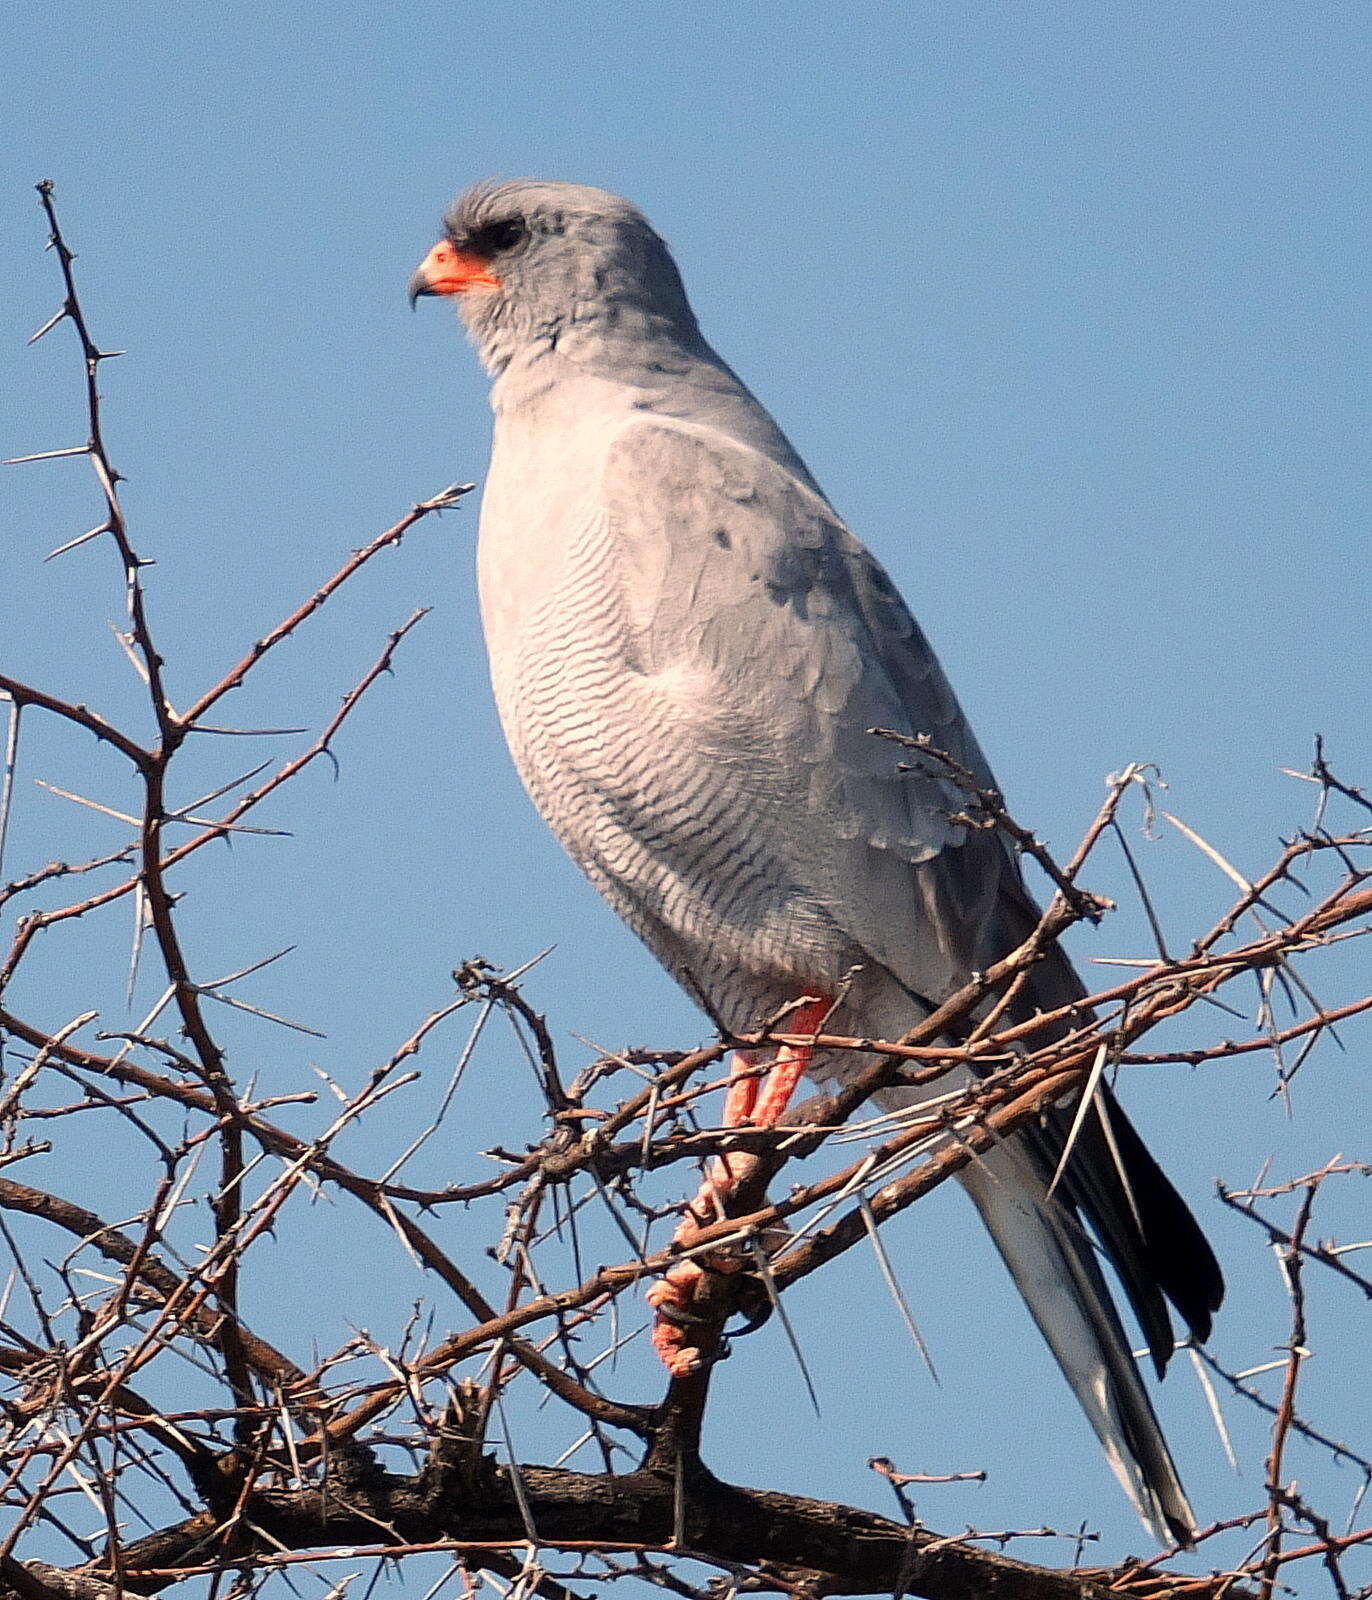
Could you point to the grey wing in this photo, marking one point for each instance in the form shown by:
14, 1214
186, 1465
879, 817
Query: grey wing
741, 579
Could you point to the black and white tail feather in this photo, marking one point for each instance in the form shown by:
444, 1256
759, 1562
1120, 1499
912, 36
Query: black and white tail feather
1054, 1266
1056, 1198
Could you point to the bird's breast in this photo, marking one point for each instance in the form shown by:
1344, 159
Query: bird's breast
637, 760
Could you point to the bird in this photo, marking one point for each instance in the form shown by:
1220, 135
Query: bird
689, 651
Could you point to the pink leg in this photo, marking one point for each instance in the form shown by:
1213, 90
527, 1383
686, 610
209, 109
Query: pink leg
743, 1087
752, 1100
788, 1067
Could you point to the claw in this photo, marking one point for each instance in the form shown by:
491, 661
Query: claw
752, 1321
678, 1317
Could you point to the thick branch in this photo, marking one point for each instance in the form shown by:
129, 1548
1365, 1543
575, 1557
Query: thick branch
847, 1550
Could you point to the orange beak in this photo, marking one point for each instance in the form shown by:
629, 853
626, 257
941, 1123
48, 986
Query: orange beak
448, 270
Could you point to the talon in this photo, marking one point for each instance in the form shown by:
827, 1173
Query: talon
677, 1316
752, 1321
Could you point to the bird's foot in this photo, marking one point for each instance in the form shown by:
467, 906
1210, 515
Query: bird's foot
671, 1297
753, 1100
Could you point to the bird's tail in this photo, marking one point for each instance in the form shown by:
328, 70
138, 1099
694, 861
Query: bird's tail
1054, 1266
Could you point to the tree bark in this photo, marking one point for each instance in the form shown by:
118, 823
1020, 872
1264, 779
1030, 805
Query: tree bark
824, 1547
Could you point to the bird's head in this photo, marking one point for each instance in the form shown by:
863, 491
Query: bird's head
532, 262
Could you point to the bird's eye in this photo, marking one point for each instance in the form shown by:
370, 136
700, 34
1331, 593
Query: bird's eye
497, 236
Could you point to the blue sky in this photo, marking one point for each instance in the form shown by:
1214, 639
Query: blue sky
1062, 303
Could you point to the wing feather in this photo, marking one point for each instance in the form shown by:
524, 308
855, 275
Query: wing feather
799, 644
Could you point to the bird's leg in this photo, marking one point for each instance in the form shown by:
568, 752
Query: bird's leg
751, 1101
